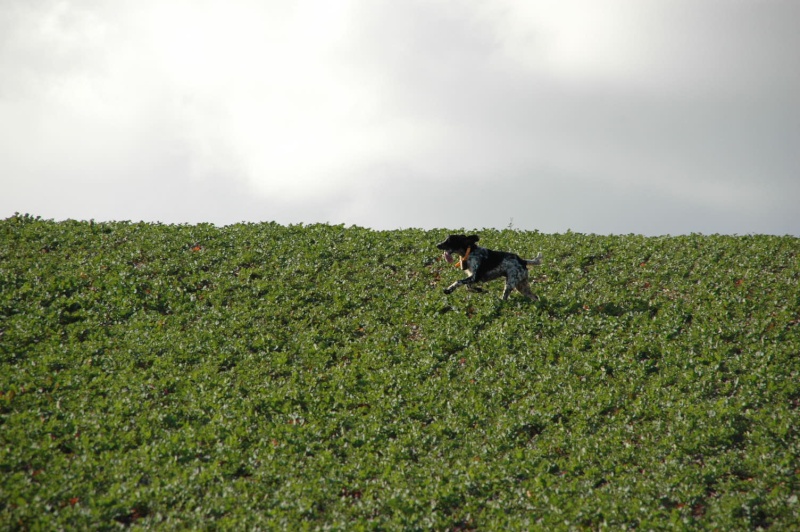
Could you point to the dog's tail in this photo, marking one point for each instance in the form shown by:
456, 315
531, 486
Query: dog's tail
534, 261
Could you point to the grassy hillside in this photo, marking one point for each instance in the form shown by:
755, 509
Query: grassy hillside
266, 376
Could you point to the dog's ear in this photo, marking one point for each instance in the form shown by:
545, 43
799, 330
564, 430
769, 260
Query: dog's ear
473, 238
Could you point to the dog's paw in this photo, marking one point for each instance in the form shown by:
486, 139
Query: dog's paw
448, 290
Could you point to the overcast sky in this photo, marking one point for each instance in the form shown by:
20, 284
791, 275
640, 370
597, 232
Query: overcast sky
599, 116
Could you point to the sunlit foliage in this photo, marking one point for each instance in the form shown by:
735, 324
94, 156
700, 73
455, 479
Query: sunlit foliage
264, 376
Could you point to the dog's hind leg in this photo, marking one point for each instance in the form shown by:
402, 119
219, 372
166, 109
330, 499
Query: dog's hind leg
516, 278
525, 289
507, 292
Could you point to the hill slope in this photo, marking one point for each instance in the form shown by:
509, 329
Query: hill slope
263, 376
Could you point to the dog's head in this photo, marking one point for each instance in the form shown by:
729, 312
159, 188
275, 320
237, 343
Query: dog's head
457, 244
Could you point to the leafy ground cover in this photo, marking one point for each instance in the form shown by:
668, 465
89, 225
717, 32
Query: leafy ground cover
315, 376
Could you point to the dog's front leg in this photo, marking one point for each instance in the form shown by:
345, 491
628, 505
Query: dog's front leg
449, 289
465, 281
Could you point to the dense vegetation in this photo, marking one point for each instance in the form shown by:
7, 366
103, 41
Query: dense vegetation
263, 376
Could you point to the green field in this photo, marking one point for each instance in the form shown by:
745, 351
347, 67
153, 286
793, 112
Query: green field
262, 376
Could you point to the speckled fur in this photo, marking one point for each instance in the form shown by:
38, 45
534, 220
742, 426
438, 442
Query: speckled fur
483, 265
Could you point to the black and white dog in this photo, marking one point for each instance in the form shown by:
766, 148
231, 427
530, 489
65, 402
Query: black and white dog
481, 264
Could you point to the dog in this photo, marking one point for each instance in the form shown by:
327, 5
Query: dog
481, 265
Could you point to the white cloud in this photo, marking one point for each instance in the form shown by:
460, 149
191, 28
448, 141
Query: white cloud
671, 47
576, 40
280, 100
355, 109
